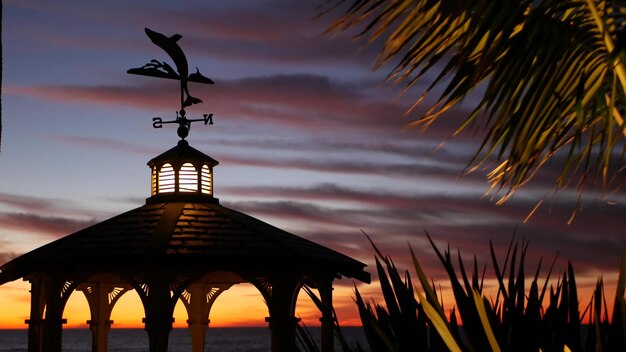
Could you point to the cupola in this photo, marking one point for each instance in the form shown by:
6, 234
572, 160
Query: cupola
182, 173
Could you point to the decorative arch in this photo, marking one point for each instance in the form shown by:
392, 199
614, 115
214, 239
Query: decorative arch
264, 285
198, 298
159, 295
49, 295
102, 293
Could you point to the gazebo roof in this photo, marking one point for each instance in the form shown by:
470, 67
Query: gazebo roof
182, 153
182, 235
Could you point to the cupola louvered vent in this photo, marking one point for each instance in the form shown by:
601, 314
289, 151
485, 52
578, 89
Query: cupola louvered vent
182, 172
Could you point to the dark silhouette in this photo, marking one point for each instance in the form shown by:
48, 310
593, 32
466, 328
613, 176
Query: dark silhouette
181, 245
156, 68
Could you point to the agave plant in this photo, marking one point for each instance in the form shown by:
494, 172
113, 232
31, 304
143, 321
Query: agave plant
516, 319
549, 74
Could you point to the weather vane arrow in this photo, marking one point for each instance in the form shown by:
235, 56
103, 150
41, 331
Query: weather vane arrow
160, 69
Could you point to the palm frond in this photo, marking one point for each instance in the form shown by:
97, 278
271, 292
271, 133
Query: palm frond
549, 73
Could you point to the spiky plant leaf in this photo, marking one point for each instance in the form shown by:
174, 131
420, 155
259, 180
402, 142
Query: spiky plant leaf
403, 319
345, 347
387, 290
430, 293
482, 313
439, 324
574, 326
377, 337
617, 337
303, 336
464, 302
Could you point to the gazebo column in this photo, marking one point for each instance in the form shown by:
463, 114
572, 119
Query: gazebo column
159, 310
101, 297
198, 300
325, 288
53, 323
36, 320
282, 320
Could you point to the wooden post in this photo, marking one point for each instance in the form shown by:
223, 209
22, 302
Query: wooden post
326, 295
197, 314
53, 324
282, 320
101, 297
158, 321
36, 315
198, 300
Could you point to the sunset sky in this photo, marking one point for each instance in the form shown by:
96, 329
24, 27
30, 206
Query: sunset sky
308, 137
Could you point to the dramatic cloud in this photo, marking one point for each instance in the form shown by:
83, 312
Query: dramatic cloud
107, 144
407, 170
46, 225
410, 148
7, 256
23, 204
303, 102
27, 203
393, 220
276, 32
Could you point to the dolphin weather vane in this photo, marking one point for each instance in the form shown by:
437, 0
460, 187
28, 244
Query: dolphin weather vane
160, 69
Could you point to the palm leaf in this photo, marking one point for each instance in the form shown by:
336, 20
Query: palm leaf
549, 74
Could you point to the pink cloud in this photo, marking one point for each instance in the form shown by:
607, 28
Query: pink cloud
461, 220
268, 32
304, 102
20, 204
27, 203
404, 170
47, 225
108, 144
7, 256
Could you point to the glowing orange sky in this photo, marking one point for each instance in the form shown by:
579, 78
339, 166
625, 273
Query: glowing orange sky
241, 305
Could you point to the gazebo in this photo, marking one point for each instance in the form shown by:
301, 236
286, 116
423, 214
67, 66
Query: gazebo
181, 244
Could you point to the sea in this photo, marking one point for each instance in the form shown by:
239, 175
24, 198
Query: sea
136, 340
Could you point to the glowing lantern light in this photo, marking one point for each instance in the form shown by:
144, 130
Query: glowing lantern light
182, 171
188, 178
167, 179
207, 186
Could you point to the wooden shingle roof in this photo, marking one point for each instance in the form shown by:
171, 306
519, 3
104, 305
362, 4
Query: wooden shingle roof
182, 153
178, 236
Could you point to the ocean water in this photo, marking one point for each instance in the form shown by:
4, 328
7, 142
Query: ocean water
135, 340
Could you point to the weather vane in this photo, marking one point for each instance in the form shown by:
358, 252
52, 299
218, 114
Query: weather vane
159, 69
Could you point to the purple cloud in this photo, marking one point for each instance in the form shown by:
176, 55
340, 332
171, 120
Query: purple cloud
47, 225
